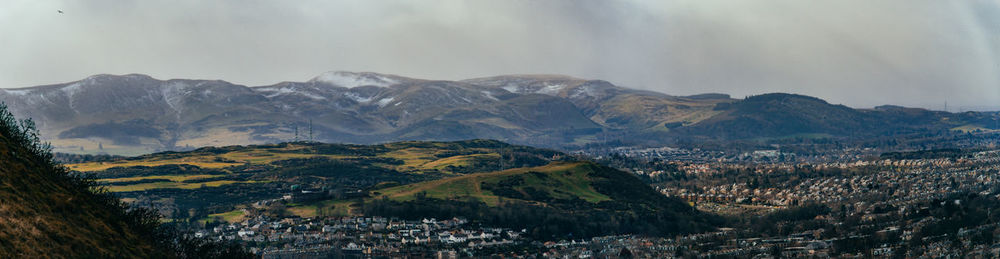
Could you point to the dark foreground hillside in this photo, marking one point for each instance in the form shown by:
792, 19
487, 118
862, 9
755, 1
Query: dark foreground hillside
45, 212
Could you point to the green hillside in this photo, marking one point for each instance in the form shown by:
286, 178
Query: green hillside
274, 162
555, 182
780, 115
559, 200
215, 180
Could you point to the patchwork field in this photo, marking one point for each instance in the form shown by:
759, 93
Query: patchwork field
172, 178
174, 185
289, 161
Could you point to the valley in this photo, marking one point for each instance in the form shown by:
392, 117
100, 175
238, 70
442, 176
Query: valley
290, 193
497, 129
577, 159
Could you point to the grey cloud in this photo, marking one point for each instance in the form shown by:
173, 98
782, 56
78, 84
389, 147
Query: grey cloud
860, 53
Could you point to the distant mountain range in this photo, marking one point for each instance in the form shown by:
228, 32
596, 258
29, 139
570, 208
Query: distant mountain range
136, 114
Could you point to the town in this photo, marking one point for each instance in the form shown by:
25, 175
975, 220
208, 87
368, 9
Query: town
361, 236
867, 207
923, 207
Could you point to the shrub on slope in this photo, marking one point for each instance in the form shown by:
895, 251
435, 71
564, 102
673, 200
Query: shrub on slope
47, 212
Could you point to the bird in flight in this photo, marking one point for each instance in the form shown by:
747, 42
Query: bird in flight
60, 11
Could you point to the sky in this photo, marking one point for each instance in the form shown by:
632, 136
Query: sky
860, 53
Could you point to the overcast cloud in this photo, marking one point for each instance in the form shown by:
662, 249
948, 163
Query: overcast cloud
860, 53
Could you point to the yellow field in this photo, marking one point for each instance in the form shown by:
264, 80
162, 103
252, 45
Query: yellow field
413, 158
305, 211
416, 159
254, 157
464, 160
232, 216
971, 128
203, 161
327, 208
195, 161
172, 178
160, 185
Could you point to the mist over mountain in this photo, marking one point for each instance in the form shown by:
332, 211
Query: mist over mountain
135, 114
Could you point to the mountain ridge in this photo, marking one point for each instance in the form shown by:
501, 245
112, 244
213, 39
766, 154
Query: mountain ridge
148, 115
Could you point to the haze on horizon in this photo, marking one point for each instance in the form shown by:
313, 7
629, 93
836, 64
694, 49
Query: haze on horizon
860, 53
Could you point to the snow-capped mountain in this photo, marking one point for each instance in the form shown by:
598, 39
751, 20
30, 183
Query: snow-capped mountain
139, 114
356, 79
135, 114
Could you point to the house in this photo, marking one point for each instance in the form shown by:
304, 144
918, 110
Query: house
245, 233
455, 239
329, 229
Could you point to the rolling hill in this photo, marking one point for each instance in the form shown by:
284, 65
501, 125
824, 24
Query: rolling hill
783, 115
559, 200
565, 181
215, 179
542, 189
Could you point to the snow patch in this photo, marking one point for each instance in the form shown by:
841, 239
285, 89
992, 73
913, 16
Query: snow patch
551, 89
511, 88
352, 80
358, 98
18, 92
275, 92
72, 89
173, 93
490, 95
585, 91
384, 101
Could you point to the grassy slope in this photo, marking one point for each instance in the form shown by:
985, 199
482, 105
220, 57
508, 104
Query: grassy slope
650, 113
563, 198
556, 184
560, 180
777, 116
43, 214
416, 157
176, 185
